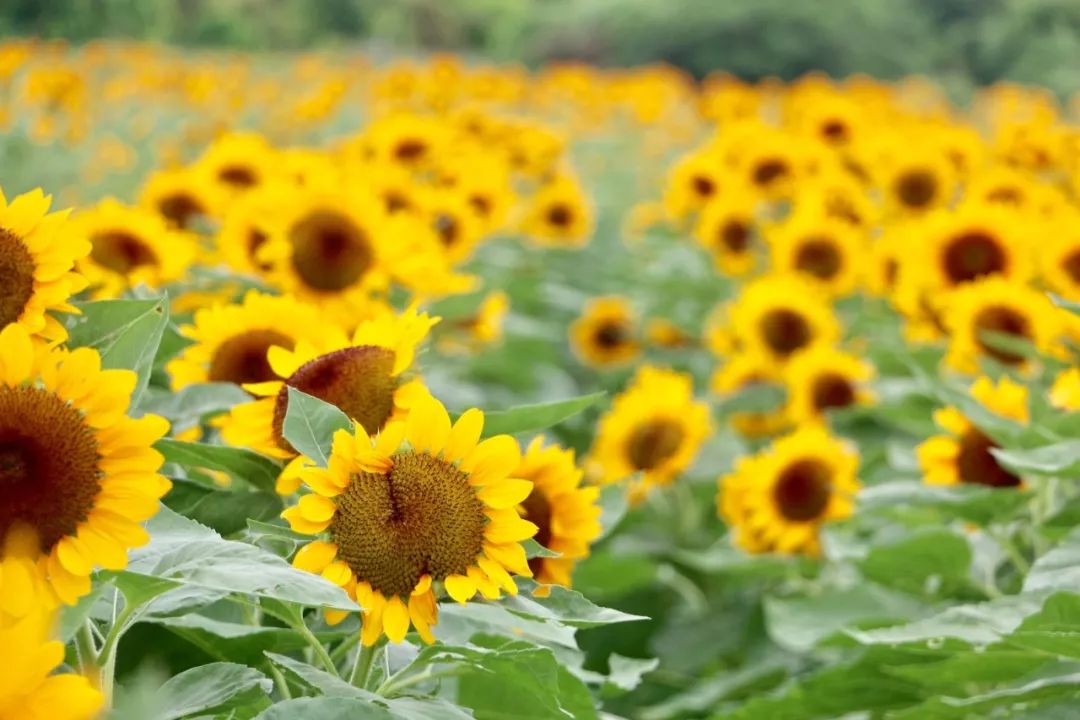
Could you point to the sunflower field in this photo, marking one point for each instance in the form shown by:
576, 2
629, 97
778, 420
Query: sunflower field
340, 385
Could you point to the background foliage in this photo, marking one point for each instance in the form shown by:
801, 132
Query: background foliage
961, 42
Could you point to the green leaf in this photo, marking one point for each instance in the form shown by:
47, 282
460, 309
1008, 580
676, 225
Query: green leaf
928, 562
755, 398
320, 680
1027, 696
327, 708
800, 623
1061, 459
127, 333
183, 552
534, 418
534, 549
626, 673
977, 504
226, 511
1058, 569
187, 408
232, 641
73, 617
261, 472
1055, 629
210, 689
563, 606
310, 425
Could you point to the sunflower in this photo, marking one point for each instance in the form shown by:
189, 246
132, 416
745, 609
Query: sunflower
770, 161
481, 329
559, 215
726, 228
1065, 392
825, 250
692, 183
913, 182
663, 333
420, 507
838, 194
484, 181
246, 224
1060, 256
1012, 189
778, 315
454, 221
406, 140
654, 430
36, 260
605, 335
566, 513
962, 454
361, 376
742, 371
185, 197
999, 306
78, 472
778, 500
331, 248
230, 341
821, 378
238, 162
30, 690
130, 246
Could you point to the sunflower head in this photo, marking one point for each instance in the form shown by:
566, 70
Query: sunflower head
186, 198
79, 475
606, 334
778, 500
742, 371
566, 514
693, 183
727, 229
962, 454
559, 215
825, 250
36, 263
421, 508
822, 378
238, 162
778, 315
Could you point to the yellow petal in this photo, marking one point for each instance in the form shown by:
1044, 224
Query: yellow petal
315, 556
427, 426
396, 619
316, 508
460, 588
464, 435
505, 494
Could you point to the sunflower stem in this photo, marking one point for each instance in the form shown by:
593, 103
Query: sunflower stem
362, 667
280, 681
319, 648
87, 651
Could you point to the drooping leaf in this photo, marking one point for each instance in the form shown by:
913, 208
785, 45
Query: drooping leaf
535, 418
210, 689
310, 425
261, 472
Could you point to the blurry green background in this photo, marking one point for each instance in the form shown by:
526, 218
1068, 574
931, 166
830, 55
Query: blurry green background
960, 42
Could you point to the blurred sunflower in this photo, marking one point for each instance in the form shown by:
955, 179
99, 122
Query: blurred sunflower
1060, 256
743, 371
962, 454
1065, 392
566, 513
606, 334
453, 220
821, 378
482, 328
996, 305
692, 183
653, 429
778, 500
662, 333
238, 162
726, 228
361, 376
185, 197
37, 256
973, 242
77, 471
407, 140
130, 246
914, 182
822, 249
422, 505
559, 215
777, 315
769, 160
245, 228
230, 341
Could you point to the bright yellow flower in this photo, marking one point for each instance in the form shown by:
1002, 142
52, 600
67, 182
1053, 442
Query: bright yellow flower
606, 334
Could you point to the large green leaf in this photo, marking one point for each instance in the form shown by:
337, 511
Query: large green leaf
534, 418
210, 689
182, 552
931, 561
563, 606
127, 333
1058, 569
327, 708
245, 465
975, 503
310, 425
186, 408
1059, 459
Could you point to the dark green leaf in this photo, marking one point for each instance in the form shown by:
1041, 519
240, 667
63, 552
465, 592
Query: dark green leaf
534, 418
310, 425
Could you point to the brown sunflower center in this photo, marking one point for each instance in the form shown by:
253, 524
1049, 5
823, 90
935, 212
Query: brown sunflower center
410, 150
976, 465
448, 228
972, 255
420, 518
242, 358
653, 442
121, 251
769, 171
612, 335
560, 216
240, 177
330, 252
482, 204
16, 277
735, 236
916, 189
357, 380
819, 257
49, 474
537, 510
785, 331
181, 208
835, 131
703, 186
1004, 320
802, 491
396, 201
1071, 265
832, 390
